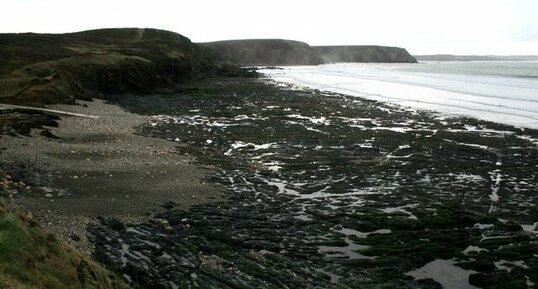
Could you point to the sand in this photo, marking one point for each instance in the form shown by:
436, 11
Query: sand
105, 169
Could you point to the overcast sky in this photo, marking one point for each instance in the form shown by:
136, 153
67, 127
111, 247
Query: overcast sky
421, 26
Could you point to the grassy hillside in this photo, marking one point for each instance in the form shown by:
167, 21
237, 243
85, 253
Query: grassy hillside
38, 69
371, 53
259, 52
30, 258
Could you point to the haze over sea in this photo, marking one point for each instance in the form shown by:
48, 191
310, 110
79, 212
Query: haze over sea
499, 91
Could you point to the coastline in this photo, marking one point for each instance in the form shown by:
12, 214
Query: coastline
325, 190
496, 92
99, 167
321, 189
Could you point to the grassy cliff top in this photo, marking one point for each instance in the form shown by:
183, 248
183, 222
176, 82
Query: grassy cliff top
364, 53
20, 50
37, 69
260, 52
265, 52
275, 42
31, 258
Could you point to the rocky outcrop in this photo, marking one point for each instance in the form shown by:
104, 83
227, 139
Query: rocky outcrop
370, 53
38, 69
260, 52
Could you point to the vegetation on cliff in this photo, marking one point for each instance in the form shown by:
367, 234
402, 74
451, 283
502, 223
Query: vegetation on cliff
260, 52
31, 258
366, 53
39, 69
266, 52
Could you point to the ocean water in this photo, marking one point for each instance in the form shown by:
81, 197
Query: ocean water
504, 92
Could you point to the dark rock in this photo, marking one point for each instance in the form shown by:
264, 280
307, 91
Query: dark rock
48, 134
112, 223
74, 237
430, 284
364, 216
169, 205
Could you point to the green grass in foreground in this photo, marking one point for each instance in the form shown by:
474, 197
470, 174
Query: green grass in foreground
31, 258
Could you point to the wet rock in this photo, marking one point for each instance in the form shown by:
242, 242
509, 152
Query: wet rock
166, 225
498, 280
74, 237
511, 226
169, 205
47, 133
112, 222
364, 192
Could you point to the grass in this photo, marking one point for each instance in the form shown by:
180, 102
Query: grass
38, 69
31, 258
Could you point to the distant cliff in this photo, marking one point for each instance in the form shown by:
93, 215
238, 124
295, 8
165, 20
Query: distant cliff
334, 54
37, 69
450, 57
259, 52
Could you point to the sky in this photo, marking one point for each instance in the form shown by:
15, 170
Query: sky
508, 27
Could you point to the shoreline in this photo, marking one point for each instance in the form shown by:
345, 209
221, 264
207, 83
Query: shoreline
327, 190
321, 189
497, 94
99, 167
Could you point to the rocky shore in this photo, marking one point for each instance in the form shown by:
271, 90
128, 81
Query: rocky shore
330, 191
245, 183
183, 178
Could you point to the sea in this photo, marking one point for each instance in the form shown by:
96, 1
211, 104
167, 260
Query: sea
499, 91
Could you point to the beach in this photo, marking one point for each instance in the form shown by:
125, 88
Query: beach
326, 190
212, 183
305, 145
98, 166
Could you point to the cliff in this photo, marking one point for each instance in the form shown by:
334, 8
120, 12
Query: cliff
334, 54
37, 69
260, 52
450, 57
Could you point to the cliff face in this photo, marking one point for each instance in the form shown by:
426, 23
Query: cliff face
260, 52
450, 57
334, 54
254, 52
36, 69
